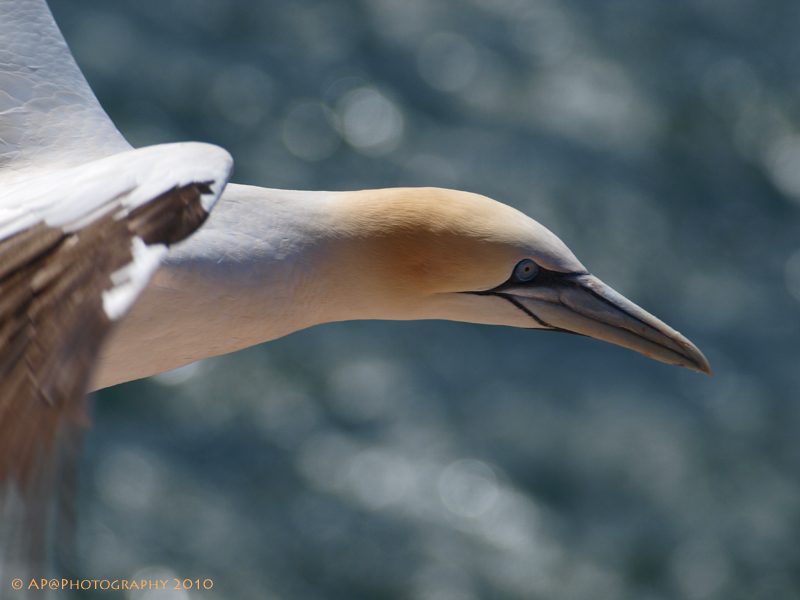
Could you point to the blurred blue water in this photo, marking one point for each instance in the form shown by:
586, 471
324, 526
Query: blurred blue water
660, 140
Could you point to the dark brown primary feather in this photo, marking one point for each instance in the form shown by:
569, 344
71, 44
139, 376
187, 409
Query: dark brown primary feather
52, 324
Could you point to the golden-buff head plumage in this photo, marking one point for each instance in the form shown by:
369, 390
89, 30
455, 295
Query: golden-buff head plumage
433, 240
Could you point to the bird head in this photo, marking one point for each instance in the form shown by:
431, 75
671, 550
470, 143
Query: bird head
428, 253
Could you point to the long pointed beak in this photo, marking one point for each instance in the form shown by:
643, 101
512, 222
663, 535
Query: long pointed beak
581, 303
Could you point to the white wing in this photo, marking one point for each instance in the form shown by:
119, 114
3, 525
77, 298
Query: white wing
48, 114
84, 222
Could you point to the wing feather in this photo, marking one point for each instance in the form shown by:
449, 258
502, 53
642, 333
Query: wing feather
49, 115
55, 281
84, 221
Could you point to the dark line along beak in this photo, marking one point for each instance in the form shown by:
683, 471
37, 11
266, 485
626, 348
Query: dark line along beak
581, 303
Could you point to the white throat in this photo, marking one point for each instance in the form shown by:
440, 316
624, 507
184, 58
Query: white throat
249, 275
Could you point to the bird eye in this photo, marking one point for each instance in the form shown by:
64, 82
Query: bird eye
525, 270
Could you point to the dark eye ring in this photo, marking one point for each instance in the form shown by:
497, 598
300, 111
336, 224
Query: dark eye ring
525, 270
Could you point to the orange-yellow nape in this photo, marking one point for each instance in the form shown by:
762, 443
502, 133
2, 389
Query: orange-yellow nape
437, 240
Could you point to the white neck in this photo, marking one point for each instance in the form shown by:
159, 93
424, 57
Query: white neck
249, 275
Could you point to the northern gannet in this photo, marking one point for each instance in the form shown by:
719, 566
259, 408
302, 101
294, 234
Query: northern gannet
84, 220
270, 262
